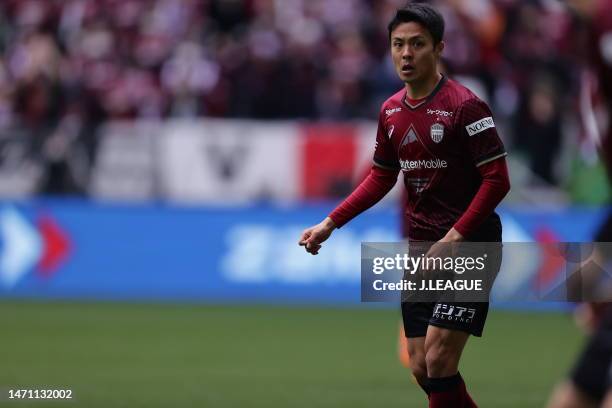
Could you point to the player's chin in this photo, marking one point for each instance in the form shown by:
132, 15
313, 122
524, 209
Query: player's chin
408, 78
404, 75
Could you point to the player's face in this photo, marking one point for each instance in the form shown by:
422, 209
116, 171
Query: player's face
414, 55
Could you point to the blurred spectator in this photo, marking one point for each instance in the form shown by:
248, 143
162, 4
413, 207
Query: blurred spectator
92, 60
538, 127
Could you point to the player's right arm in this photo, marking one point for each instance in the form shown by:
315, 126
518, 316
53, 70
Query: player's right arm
372, 189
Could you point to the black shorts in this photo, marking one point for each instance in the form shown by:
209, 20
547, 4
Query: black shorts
469, 317
591, 374
462, 316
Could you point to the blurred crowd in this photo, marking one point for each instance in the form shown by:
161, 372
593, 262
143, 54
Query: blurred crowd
68, 65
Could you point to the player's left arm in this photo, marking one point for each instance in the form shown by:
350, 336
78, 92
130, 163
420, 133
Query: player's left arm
488, 154
494, 187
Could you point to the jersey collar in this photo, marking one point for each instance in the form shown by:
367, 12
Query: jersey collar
426, 99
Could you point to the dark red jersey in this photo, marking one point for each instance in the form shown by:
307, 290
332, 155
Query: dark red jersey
438, 144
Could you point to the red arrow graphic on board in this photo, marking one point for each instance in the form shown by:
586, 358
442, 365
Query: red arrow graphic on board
551, 261
56, 245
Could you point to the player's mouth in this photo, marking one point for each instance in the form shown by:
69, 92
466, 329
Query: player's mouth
407, 69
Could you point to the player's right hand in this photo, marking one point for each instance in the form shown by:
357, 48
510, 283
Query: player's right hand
313, 237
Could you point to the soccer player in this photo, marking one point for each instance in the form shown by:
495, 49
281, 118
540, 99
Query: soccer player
444, 141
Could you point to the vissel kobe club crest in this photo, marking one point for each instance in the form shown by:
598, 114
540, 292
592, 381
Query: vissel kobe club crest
437, 132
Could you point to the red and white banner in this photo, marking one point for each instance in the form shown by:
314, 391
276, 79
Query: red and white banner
233, 162
220, 162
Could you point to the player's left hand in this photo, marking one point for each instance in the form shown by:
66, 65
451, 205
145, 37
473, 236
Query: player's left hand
444, 247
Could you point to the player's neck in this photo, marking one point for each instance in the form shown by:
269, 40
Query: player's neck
422, 89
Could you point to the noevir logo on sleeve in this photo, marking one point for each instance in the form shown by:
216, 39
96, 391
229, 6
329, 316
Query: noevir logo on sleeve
454, 313
480, 126
390, 112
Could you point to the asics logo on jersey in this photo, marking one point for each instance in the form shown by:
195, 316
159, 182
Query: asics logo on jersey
454, 313
409, 165
390, 112
439, 112
390, 132
480, 126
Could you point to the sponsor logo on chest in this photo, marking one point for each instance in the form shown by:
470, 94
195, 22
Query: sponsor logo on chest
439, 112
431, 164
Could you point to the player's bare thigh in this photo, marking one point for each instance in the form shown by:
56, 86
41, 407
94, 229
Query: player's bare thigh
443, 349
567, 395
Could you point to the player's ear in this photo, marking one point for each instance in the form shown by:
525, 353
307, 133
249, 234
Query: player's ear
439, 47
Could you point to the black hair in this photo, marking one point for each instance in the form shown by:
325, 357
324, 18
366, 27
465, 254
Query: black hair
423, 14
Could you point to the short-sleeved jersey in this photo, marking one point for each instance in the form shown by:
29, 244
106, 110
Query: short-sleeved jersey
438, 145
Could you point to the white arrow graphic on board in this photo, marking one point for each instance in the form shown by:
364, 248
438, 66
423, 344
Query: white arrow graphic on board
22, 247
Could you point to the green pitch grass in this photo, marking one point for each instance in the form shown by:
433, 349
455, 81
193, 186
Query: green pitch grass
122, 355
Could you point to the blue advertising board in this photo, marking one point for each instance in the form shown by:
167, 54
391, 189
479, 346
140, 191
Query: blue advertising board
77, 249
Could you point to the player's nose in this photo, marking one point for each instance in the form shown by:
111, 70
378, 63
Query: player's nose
407, 53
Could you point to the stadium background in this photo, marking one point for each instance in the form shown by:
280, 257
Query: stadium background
158, 160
